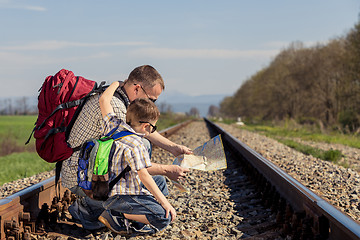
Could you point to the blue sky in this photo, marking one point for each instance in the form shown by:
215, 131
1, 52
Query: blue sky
199, 47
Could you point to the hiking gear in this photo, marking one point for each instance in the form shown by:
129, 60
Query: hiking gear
59, 103
94, 160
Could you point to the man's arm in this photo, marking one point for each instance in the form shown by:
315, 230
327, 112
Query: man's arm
164, 143
173, 172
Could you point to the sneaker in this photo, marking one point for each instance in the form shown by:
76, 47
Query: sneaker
116, 224
139, 227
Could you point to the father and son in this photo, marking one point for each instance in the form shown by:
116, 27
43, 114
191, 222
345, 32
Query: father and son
137, 202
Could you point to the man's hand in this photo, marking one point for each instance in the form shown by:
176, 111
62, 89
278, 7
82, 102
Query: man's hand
175, 172
177, 150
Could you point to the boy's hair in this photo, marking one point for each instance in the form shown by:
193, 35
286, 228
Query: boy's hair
141, 109
147, 76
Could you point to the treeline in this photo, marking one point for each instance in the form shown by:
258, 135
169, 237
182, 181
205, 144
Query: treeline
320, 83
17, 106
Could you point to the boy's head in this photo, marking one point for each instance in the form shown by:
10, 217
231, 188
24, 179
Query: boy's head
144, 81
142, 115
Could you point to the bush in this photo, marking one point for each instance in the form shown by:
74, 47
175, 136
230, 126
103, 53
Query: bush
332, 155
349, 119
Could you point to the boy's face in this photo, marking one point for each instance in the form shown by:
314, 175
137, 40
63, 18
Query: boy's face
146, 127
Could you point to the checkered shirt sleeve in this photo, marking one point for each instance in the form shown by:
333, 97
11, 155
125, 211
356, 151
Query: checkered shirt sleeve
86, 126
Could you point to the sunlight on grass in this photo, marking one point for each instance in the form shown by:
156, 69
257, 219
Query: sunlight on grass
329, 155
21, 165
304, 134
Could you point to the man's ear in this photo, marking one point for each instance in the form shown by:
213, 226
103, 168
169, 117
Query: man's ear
136, 89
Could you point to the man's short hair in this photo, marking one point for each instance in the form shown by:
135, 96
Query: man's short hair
147, 76
142, 109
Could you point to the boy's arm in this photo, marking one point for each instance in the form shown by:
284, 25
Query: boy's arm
150, 184
106, 97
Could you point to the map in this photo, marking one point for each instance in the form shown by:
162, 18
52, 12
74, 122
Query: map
208, 157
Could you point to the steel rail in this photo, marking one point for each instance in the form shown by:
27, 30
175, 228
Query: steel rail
328, 221
18, 212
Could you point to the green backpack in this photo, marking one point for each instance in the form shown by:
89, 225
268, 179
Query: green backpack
93, 163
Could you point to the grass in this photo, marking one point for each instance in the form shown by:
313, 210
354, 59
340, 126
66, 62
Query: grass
305, 134
285, 134
17, 128
329, 155
170, 119
21, 165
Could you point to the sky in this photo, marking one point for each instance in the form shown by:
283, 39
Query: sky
199, 47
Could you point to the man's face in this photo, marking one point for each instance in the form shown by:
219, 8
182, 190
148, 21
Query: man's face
150, 93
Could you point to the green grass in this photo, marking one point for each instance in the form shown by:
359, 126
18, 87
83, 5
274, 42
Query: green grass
16, 127
329, 155
305, 134
21, 165
170, 119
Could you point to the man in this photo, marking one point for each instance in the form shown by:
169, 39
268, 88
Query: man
143, 82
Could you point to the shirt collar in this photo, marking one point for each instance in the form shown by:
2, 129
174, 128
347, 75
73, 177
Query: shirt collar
127, 127
124, 97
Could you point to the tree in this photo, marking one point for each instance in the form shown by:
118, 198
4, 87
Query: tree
213, 111
194, 112
165, 108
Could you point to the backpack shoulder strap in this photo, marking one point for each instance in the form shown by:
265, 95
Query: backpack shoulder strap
117, 178
117, 135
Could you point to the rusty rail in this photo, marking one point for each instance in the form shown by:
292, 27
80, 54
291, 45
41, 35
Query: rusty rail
309, 212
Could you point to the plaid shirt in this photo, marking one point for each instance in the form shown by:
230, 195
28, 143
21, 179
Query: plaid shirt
129, 151
87, 126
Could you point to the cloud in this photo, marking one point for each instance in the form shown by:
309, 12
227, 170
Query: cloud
9, 59
165, 53
55, 45
5, 4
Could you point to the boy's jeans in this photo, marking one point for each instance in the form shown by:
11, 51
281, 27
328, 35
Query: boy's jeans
142, 205
91, 209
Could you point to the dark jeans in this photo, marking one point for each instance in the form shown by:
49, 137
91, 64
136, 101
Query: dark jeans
91, 209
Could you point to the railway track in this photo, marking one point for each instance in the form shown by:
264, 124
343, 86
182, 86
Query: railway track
251, 199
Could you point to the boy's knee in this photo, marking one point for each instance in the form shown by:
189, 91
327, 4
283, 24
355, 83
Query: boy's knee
160, 223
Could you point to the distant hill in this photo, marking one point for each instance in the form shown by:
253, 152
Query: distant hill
181, 102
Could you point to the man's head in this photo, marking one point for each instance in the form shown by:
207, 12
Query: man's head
144, 82
142, 115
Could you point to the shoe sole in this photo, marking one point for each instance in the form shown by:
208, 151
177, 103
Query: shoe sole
107, 224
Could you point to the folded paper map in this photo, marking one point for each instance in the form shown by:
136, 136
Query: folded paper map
208, 157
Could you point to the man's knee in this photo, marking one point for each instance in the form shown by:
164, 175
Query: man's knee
161, 183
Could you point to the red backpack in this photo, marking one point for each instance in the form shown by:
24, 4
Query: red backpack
60, 101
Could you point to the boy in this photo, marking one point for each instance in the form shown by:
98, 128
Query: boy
136, 196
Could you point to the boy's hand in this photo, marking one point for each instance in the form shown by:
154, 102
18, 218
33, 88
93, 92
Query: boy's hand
169, 209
